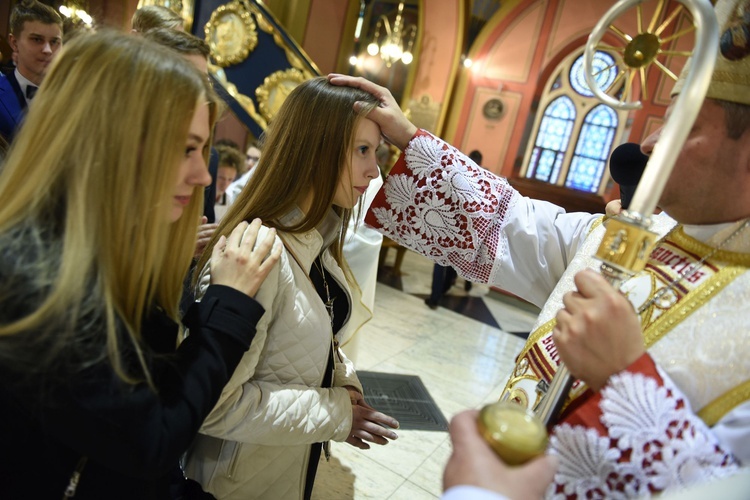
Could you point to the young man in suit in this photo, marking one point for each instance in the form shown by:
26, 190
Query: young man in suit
35, 37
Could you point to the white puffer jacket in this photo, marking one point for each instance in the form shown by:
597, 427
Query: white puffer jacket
256, 442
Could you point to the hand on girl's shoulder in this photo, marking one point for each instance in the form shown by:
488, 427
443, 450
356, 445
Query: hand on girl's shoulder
244, 259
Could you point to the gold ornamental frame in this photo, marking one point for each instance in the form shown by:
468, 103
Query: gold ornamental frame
276, 88
231, 34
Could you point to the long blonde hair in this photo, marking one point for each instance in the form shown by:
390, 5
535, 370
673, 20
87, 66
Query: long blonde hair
92, 171
305, 149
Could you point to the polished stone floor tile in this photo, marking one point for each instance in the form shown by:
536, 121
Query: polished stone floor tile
353, 475
481, 303
410, 491
462, 363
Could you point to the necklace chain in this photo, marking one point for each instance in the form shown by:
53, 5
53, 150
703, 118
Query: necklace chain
692, 268
329, 301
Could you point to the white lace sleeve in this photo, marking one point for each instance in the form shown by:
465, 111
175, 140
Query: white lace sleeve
447, 208
439, 203
654, 442
733, 430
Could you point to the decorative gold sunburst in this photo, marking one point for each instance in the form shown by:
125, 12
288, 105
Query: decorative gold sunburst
641, 51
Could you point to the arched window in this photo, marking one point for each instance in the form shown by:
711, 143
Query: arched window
592, 149
552, 140
574, 133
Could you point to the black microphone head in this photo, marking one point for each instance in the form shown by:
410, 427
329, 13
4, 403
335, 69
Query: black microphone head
626, 164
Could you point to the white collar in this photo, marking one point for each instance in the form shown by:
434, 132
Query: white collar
716, 234
328, 229
24, 82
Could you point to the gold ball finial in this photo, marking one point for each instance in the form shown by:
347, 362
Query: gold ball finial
513, 432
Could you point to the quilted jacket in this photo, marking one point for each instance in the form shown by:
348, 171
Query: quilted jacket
256, 442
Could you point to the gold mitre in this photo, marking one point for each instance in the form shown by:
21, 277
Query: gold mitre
731, 77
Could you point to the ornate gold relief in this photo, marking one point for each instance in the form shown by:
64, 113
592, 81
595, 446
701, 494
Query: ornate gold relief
275, 88
231, 33
227, 30
242, 99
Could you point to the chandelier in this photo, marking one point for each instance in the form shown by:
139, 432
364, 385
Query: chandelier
398, 41
76, 13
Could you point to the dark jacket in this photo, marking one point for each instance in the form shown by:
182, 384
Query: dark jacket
209, 197
12, 105
132, 436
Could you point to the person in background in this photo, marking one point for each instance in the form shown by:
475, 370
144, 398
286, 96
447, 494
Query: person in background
151, 17
35, 38
296, 389
157, 25
230, 143
663, 348
97, 399
230, 161
253, 158
197, 52
188, 46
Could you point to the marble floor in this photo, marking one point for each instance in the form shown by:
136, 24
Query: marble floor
461, 360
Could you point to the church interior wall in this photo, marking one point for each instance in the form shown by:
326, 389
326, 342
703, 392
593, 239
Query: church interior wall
513, 55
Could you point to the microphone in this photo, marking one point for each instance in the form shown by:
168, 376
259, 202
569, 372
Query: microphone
626, 165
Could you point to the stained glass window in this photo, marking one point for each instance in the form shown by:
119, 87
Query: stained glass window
574, 132
592, 149
605, 72
552, 140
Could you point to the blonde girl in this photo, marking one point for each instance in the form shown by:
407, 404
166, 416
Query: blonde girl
102, 190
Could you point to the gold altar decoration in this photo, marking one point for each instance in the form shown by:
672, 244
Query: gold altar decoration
275, 88
269, 94
231, 33
247, 104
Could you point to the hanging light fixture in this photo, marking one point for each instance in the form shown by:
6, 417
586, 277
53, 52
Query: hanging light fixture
76, 14
398, 42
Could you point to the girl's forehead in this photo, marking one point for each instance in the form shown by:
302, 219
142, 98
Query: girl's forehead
367, 128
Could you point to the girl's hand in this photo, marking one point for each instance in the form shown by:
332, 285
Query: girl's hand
205, 231
597, 333
239, 263
368, 424
396, 128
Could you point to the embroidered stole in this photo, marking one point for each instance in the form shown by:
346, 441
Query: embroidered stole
667, 263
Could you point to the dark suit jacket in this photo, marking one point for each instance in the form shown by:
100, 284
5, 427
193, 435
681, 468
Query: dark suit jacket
12, 105
209, 197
